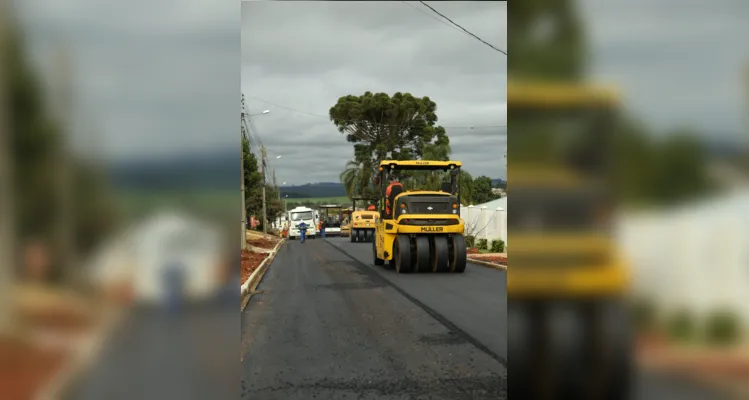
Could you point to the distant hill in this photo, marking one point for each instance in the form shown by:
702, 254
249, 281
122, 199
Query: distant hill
314, 190
499, 183
218, 170
212, 171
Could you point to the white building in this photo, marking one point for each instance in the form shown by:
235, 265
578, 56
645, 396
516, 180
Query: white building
140, 256
695, 257
486, 221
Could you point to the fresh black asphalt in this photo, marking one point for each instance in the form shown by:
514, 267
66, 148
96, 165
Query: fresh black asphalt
326, 326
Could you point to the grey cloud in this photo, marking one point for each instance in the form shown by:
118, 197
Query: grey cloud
676, 65
305, 55
155, 82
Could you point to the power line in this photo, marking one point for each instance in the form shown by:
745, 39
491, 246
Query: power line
327, 117
463, 29
432, 17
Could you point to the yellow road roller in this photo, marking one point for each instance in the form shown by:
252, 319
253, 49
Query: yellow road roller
362, 222
419, 230
568, 327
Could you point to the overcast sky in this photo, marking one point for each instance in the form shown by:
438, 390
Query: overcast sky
305, 55
156, 82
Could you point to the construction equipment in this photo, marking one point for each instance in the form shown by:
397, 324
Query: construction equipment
346, 221
567, 319
330, 214
362, 221
423, 231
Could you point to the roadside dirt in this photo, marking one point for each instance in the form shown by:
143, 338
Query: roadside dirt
59, 321
250, 262
729, 364
262, 243
25, 368
492, 258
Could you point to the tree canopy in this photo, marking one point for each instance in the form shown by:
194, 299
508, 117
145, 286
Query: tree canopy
401, 127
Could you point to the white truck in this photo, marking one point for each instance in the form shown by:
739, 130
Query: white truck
296, 216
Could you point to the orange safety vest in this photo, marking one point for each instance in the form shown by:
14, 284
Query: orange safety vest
387, 195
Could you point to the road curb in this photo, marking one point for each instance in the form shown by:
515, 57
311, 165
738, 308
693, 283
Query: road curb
81, 360
488, 264
251, 283
737, 390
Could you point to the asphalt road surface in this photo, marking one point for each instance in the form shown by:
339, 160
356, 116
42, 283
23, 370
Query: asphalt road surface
326, 326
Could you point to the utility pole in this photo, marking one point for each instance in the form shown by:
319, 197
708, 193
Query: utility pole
7, 192
65, 226
265, 213
243, 138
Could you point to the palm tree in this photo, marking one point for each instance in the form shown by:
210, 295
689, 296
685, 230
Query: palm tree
349, 177
356, 178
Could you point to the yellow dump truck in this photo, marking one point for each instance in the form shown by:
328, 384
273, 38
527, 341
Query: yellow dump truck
567, 283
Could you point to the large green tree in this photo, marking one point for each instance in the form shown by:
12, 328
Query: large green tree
381, 126
401, 127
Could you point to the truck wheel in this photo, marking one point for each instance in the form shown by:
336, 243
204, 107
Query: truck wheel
402, 254
360, 235
439, 254
423, 257
352, 235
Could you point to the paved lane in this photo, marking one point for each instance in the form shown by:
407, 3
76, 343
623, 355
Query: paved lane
474, 301
158, 355
326, 327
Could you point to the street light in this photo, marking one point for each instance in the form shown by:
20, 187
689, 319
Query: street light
264, 112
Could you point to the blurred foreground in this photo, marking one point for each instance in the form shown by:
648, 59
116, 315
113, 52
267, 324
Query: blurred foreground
629, 264
98, 301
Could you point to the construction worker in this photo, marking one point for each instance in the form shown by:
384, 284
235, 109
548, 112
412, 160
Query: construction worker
394, 189
371, 207
302, 231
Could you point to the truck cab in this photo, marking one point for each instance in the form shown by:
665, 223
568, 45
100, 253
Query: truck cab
296, 216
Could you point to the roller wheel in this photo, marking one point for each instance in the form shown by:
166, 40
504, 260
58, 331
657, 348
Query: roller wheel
521, 348
352, 235
422, 263
613, 334
377, 261
440, 261
568, 342
402, 254
360, 235
370, 235
458, 256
